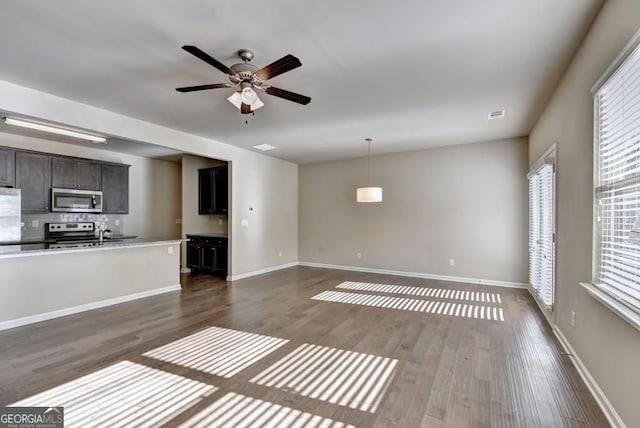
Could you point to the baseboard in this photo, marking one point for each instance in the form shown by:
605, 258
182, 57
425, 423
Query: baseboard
419, 275
261, 271
548, 314
610, 413
18, 322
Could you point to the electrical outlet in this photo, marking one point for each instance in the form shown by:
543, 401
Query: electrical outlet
35, 223
452, 262
244, 222
359, 255
178, 221
220, 221
169, 250
117, 222
280, 253
573, 318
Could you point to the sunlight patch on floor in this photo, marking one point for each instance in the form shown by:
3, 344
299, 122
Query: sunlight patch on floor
236, 410
125, 394
440, 293
347, 378
417, 305
218, 351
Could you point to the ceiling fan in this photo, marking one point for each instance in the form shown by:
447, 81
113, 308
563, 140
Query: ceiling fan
247, 78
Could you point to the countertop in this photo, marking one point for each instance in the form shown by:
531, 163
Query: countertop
209, 235
113, 243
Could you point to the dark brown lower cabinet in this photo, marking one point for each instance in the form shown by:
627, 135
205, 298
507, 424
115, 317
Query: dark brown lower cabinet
207, 254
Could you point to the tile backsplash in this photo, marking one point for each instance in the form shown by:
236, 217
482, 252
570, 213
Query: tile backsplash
33, 224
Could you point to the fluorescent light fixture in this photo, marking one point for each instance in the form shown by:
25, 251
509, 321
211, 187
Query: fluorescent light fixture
498, 114
54, 130
264, 147
236, 100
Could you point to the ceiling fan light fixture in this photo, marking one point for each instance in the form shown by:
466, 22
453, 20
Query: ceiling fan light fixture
236, 100
249, 96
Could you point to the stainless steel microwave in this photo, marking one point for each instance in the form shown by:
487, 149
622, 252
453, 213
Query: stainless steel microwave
76, 201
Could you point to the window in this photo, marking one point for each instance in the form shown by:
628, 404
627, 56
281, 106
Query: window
542, 231
617, 180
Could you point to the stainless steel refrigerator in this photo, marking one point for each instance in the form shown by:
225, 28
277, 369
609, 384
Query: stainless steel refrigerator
9, 216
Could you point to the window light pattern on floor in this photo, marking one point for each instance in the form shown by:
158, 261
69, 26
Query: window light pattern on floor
440, 293
218, 351
236, 410
417, 305
347, 378
125, 394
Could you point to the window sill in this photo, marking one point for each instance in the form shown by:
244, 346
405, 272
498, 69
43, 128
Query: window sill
620, 309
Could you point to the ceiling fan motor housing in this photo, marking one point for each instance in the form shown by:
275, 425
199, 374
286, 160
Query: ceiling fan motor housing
244, 72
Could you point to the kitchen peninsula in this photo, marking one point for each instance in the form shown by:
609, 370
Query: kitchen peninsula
71, 280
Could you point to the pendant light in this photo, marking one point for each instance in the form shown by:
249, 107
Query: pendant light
369, 194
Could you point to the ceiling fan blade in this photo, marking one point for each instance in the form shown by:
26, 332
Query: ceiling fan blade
208, 59
245, 108
202, 87
284, 64
287, 95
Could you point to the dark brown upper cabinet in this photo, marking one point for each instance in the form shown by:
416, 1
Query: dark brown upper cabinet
213, 190
73, 173
115, 189
7, 167
33, 177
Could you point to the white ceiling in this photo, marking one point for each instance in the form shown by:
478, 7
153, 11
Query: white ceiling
411, 74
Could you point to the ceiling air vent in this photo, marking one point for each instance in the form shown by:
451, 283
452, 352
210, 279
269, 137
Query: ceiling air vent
498, 114
264, 147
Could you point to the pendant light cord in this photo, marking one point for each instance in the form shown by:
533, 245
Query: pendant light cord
369, 163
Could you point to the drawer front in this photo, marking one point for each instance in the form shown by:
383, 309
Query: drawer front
195, 239
208, 240
218, 242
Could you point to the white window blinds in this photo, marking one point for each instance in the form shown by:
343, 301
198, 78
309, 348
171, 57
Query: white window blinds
541, 233
617, 182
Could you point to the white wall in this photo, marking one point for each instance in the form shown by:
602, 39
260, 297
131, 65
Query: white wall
266, 195
268, 183
154, 185
466, 202
39, 283
607, 345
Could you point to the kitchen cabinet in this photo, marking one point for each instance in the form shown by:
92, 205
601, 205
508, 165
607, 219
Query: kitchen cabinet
115, 188
73, 173
33, 177
207, 253
7, 167
213, 190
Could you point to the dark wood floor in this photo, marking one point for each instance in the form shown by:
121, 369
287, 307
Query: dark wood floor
450, 370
